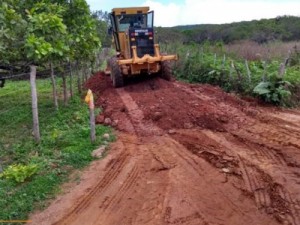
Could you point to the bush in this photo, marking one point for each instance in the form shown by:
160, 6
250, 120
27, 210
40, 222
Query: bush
19, 173
274, 92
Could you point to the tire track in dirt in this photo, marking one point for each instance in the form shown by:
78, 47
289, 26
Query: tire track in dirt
257, 182
259, 150
290, 120
267, 155
102, 184
272, 142
161, 156
136, 115
254, 185
294, 215
195, 163
196, 168
128, 183
256, 172
128, 101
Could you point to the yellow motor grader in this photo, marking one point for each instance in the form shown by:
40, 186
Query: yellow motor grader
133, 39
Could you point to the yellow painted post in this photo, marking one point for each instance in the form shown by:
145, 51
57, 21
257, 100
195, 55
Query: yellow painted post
89, 99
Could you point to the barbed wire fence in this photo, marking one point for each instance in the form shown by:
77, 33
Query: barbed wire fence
71, 77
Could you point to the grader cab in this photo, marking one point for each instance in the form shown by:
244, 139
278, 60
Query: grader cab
133, 38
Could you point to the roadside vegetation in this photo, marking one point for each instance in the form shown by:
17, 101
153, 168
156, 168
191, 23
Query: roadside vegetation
217, 54
33, 171
43, 139
272, 76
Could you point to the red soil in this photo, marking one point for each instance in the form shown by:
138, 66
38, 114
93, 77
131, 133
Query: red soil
187, 154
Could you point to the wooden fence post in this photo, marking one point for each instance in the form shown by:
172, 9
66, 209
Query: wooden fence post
223, 62
281, 70
283, 66
54, 91
83, 75
36, 128
87, 71
231, 70
71, 79
65, 88
93, 125
248, 71
265, 71
215, 58
78, 78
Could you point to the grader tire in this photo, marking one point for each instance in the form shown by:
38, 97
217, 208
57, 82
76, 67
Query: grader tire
108, 67
166, 71
116, 75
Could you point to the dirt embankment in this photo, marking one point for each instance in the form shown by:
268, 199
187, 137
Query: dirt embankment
187, 154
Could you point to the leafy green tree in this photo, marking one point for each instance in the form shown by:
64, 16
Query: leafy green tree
46, 35
12, 30
38, 32
84, 41
102, 23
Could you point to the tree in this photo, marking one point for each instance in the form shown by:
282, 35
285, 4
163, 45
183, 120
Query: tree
46, 36
13, 28
46, 39
84, 41
34, 33
102, 23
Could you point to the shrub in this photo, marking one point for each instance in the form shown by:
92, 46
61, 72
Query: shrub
19, 173
274, 92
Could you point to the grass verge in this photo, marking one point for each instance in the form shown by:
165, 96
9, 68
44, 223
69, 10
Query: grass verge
65, 145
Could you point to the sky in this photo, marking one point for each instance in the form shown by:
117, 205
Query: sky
169, 13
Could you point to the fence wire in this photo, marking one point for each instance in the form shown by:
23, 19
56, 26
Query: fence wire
41, 73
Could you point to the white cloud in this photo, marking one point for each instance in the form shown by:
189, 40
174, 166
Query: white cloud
164, 15
219, 11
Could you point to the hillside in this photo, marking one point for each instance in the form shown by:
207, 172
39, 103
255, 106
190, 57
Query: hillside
284, 28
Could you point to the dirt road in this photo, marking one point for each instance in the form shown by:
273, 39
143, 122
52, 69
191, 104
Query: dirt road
187, 154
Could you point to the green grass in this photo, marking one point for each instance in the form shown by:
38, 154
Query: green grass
65, 145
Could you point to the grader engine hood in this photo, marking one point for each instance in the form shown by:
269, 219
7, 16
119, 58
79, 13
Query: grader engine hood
142, 38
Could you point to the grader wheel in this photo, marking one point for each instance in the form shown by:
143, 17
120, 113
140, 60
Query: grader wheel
166, 71
116, 75
107, 69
